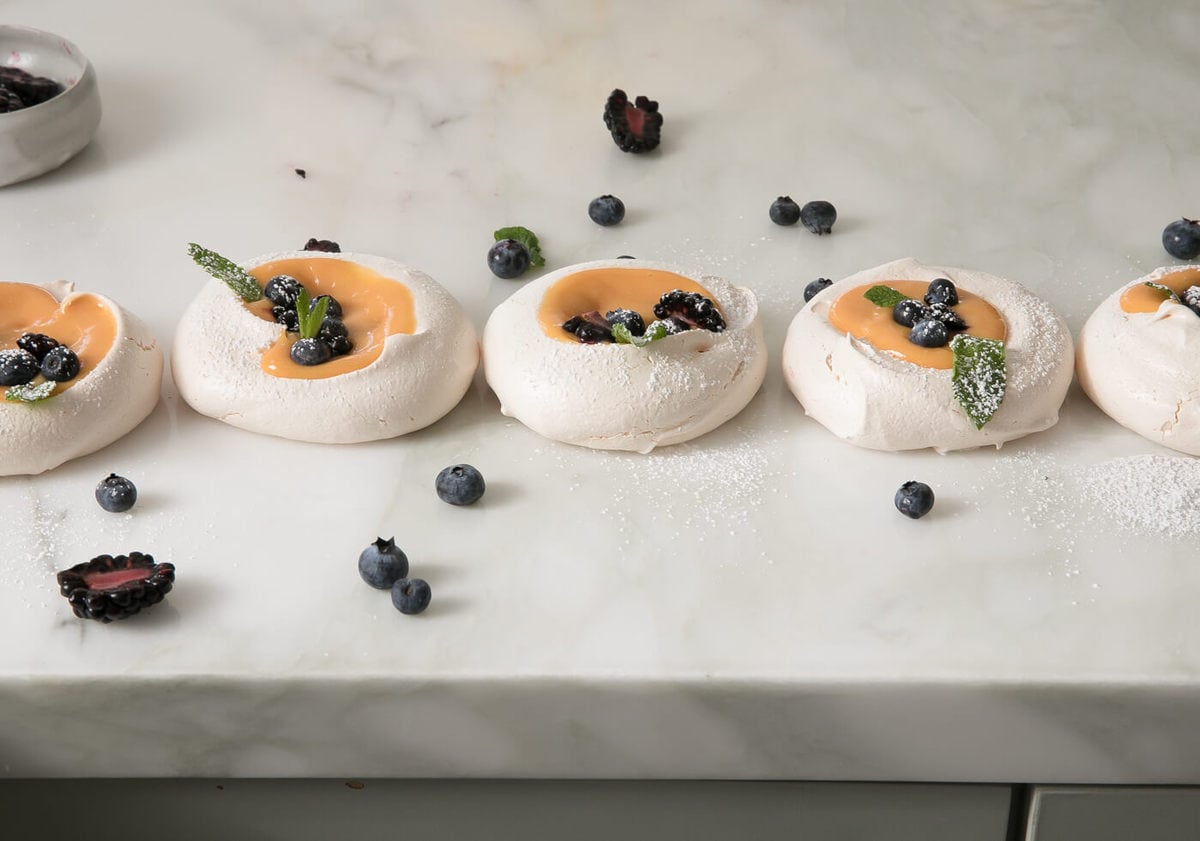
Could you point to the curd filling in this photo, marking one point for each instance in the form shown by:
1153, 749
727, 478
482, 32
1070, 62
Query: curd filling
855, 314
373, 308
82, 322
607, 289
1143, 298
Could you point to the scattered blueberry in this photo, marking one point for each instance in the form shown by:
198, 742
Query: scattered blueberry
508, 259
282, 290
303, 173
39, 344
784, 211
818, 216
1182, 239
411, 595
315, 244
606, 210
929, 332
60, 364
382, 564
116, 494
310, 352
460, 484
17, 367
631, 319
816, 287
908, 312
942, 291
914, 499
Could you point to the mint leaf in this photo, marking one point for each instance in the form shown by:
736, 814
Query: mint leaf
309, 317
227, 271
884, 296
979, 376
528, 239
654, 332
30, 393
1166, 290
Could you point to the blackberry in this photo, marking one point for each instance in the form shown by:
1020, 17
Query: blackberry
31, 90
340, 345
784, 211
818, 216
332, 310
282, 290
60, 364
116, 494
606, 210
411, 595
908, 312
589, 328
947, 316
572, 324
107, 588
692, 308
315, 244
17, 367
929, 332
459, 484
942, 291
671, 325
635, 128
632, 320
9, 101
287, 317
1191, 299
914, 499
1181, 239
310, 352
39, 344
816, 287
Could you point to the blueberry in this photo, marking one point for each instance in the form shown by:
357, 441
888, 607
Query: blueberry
908, 312
332, 310
592, 334
315, 244
816, 286
382, 564
116, 494
286, 317
331, 328
60, 364
947, 316
784, 211
606, 210
340, 345
411, 595
508, 259
631, 319
929, 332
310, 352
460, 484
914, 499
17, 367
818, 216
282, 290
1182, 239
1191, 299
942, 291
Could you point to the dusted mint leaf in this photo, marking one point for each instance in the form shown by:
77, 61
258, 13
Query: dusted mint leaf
884, 296
227, 271
30, 393
1166, 291
654, 332
979, 376
528, 239
309, 317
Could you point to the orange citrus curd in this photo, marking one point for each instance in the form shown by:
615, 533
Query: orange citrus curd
854, 314
373, 308
82, 322
1142, 298
608, 289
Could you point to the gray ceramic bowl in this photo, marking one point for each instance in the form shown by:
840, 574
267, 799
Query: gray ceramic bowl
42, 137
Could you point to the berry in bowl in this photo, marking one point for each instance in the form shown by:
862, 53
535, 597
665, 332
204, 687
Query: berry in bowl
49, 102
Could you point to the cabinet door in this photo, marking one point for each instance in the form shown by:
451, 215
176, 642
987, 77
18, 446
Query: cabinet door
498, 810
1078, 813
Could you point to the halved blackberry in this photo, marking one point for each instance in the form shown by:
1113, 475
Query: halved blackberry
589, 327
286, 317
107, 588
39, 344
315, 244
692, 308
631, 319
282, 290
635, 127
671, 325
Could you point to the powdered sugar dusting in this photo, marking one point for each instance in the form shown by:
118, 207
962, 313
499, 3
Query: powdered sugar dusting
1149, 494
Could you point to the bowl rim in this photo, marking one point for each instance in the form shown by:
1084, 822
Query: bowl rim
72, 49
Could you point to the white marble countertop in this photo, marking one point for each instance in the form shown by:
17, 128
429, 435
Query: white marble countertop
745, 606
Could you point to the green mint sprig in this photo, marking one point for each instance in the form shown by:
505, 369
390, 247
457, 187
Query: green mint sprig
309, 316
1168, 293
884, 296
227, 271
654, 332
528, 239
979, 377
30, 393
